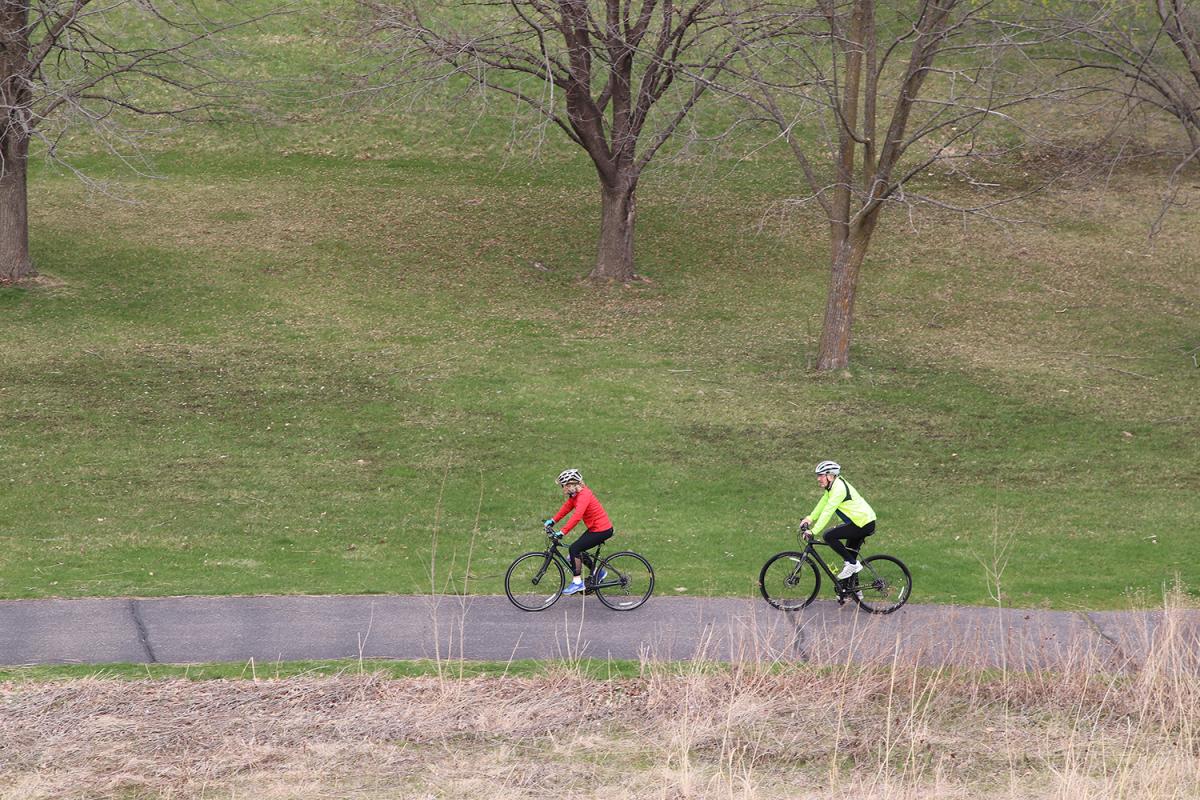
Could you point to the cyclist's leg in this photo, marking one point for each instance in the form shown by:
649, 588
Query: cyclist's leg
579, 547
854, 544
853, 537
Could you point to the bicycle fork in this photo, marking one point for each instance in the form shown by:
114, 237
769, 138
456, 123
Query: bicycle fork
541, 573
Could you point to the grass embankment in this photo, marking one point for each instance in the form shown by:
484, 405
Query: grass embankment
456, 669
754, 730
350, 358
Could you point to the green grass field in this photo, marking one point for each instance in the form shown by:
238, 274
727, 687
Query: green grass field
348, 351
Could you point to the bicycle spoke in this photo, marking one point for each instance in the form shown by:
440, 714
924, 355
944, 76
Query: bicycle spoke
883, 586
628, 581
789, 581
534, 582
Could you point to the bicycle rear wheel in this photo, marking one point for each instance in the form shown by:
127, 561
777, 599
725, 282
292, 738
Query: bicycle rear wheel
883, 585
534, 581
789, 581
628, 582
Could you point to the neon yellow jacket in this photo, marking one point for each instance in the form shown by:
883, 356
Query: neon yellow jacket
841, 499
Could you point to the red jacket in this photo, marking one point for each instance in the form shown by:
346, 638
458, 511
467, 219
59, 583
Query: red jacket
587, 508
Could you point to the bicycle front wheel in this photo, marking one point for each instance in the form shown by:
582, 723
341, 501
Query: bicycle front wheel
883, 585
534, 581
789, 581
627, 583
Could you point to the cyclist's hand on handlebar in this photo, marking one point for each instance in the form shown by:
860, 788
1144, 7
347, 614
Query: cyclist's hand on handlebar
549, 523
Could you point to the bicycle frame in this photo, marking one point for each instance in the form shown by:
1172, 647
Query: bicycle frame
882, 585
840, 587
554, 551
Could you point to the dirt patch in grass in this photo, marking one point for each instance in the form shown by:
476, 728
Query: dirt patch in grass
40, 282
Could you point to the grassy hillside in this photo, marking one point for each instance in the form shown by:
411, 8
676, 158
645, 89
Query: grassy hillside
347, 350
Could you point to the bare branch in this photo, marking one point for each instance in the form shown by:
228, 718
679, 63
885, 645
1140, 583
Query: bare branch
68, 64
1155, 66
902, 87
621, 76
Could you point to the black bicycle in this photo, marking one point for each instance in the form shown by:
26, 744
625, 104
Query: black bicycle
791, 580
536, 580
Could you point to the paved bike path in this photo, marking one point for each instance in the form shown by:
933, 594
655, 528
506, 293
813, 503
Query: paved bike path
182, 630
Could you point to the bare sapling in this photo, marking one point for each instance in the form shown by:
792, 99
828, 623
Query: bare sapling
618, 78
869, 98
70, 66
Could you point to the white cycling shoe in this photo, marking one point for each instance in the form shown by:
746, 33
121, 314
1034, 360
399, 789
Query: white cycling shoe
851, 568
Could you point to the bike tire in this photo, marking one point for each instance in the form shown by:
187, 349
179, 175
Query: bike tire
531, 571
883, 585
789, 581
629, 582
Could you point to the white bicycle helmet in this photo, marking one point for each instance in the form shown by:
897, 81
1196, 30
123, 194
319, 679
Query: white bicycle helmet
569, 476
828, 468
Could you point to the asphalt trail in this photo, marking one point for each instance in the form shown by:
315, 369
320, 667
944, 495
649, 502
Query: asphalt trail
182, 630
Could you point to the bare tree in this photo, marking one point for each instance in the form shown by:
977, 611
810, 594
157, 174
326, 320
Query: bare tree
868, 98
618, 77
1150, 52
65, 63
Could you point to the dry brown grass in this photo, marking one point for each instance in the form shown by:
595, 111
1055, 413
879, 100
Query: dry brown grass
751, 731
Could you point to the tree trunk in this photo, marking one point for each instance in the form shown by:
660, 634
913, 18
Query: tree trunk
14, 218
14, 141
848, 256
614, 261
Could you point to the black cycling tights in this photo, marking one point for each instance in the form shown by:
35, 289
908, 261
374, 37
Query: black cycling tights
853, 535
587, 541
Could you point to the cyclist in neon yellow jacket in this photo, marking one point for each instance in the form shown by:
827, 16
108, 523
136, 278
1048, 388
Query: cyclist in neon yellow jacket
858, 518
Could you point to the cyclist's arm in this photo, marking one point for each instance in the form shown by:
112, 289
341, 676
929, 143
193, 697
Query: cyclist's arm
581, 504
562, 512
816, 512
828, 504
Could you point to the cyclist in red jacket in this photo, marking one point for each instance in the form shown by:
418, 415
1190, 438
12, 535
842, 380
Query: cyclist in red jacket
587, 509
